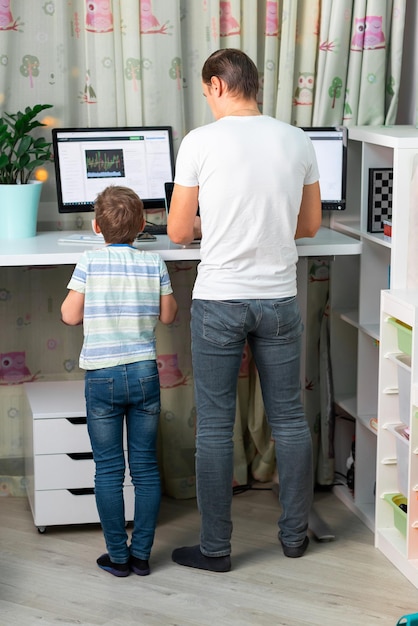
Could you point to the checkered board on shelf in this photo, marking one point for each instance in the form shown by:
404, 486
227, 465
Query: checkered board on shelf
380, 198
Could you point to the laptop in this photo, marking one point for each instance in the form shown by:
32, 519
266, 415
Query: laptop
168, 190
330, 144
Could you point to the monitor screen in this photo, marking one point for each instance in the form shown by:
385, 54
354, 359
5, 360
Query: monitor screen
330, 145
87, 160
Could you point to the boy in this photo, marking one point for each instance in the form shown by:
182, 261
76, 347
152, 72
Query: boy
119, 293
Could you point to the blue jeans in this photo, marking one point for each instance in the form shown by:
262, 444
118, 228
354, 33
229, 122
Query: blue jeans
113, 394
273, 329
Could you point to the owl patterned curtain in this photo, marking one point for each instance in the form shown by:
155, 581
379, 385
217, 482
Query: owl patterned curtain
138, 61
331, 63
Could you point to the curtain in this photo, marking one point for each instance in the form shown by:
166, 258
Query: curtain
130, 62
138, 62
329, 63
104, 62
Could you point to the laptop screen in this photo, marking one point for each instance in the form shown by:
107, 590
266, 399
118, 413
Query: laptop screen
330, 145
87, 160
168, 188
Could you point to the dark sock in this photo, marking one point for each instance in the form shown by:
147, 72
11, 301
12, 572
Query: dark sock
192, 557
139, 566
117, 569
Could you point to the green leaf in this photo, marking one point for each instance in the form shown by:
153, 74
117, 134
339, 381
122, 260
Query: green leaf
3, 160
20, 150
24, 145
24, 160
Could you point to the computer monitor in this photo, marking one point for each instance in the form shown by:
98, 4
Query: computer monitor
330, 145
87, 160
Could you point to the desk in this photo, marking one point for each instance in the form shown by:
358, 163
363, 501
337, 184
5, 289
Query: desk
44, 249
33, 277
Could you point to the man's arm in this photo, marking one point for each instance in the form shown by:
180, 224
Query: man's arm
183, 225
72, 309
310, 214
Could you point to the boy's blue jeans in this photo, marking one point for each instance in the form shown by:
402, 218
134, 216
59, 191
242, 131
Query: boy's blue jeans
111, 394
273, 329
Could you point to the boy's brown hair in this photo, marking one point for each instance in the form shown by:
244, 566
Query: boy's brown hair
119, 213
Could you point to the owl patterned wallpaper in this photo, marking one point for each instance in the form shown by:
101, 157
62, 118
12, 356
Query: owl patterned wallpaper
130, 62
39, 347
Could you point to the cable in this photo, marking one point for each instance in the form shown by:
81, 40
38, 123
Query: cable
341, 474
237, 489
342, 416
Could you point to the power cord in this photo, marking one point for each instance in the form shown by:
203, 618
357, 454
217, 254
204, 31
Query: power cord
237, 489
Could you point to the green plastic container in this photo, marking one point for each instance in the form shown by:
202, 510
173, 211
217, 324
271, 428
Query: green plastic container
404, 335
399, 516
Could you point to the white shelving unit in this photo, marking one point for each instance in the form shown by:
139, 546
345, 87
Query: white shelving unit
397, 458
356, 286
59, 466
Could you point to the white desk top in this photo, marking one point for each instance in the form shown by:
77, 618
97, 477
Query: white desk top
45, 249
56, 399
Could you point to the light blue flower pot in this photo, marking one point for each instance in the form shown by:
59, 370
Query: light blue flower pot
19, 210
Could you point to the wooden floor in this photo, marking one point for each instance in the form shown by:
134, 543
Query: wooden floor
52, 578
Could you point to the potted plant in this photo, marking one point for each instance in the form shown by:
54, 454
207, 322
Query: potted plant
20, 154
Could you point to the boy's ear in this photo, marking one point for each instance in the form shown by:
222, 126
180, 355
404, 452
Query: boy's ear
95, 226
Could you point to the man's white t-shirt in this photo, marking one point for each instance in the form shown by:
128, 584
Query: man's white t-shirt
250, 172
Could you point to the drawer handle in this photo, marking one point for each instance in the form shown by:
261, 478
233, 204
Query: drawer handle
77, 420
80, 456
87, 491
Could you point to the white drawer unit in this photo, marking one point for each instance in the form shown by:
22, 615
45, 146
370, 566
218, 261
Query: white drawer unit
59, 466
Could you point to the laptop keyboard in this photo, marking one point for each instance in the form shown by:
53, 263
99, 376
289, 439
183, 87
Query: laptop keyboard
155, 229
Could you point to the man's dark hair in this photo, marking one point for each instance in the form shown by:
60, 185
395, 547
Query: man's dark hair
235, 68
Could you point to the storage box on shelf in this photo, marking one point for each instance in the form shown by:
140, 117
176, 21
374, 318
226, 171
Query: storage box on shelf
397, 455
355, 315
59, 466
399, 504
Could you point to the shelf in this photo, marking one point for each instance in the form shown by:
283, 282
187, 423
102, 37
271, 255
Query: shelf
351, 316
369, 422
394, 357
377, 238
364, 511
367, 514
348, 405
399, 136
373, 382
354, 228
393, 546
394, 537
401, 304
371, 330
397, 454
349, 228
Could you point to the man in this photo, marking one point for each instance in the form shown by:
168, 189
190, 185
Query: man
255, 179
